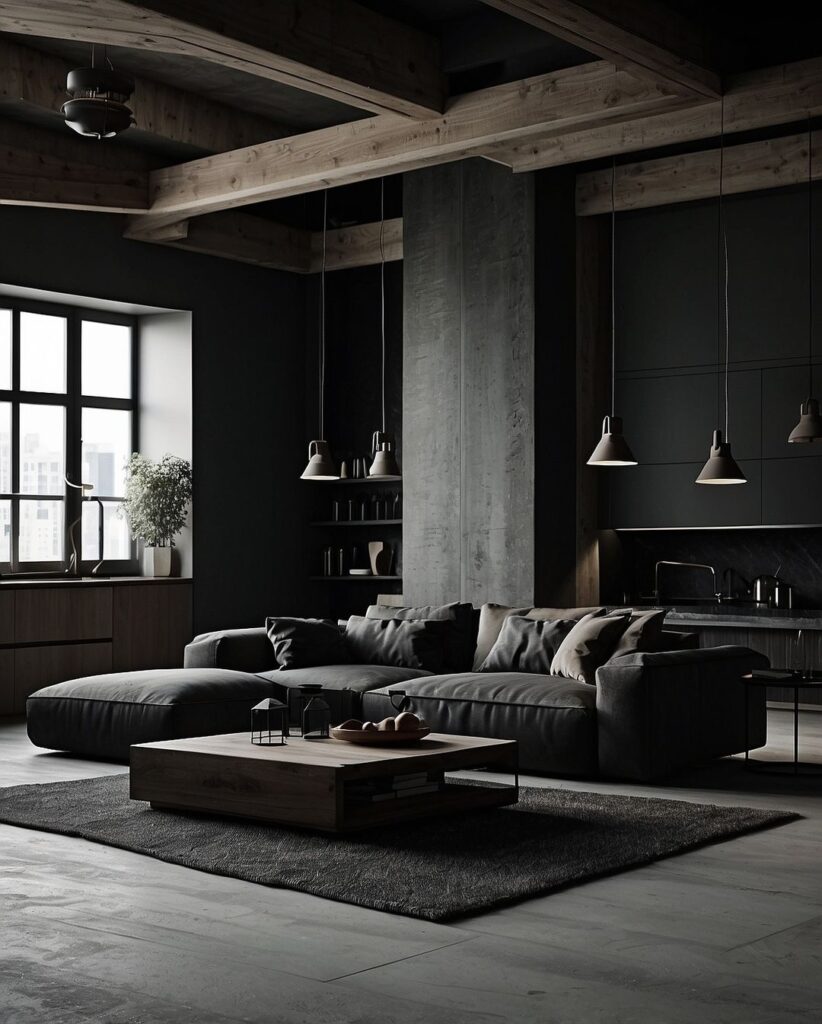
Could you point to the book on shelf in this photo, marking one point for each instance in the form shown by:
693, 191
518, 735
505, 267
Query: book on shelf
395, 787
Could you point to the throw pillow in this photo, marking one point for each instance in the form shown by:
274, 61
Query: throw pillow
527, 645
492, 617
644, 633
417, 643
303, 643
589, 645
459, 635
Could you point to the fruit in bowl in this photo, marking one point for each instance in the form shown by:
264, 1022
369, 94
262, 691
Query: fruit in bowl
405, 727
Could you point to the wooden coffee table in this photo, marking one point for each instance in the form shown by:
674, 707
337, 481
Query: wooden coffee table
314, 783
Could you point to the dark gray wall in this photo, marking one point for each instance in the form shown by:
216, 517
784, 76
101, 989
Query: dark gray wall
250, 541
468, 392
668, 387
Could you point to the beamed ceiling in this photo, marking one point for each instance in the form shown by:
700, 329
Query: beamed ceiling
245, 111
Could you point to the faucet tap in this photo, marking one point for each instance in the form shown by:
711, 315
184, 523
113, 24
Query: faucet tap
687, 565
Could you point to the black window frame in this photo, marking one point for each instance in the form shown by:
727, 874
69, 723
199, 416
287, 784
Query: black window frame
73, 401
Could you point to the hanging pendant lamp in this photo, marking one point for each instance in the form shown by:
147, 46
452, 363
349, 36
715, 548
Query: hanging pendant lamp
809, 427
612, 449
721, 467
384, 466
321, 465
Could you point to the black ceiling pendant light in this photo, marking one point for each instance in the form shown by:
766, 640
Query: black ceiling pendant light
721, 467
384, 466
612, 449
97, 107
809, 427
321, 465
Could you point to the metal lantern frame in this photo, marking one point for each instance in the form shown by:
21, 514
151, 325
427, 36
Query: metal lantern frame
269, 723
315, 713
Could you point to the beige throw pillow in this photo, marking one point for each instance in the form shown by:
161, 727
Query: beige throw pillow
492, 617
589, 644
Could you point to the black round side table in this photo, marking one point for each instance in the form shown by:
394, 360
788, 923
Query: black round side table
790, 681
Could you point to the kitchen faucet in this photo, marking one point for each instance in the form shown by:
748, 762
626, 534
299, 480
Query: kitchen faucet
686, 565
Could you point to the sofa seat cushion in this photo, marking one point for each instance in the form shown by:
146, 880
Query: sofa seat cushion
553, 719
349, 681
102, 716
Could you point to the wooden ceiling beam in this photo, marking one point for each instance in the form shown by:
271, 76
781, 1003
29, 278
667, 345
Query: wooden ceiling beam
583, 96
756, 99
33, 83
773, 163
333, 48
627, 34
235, 235
43, 168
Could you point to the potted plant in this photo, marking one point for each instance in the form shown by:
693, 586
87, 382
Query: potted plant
156, 504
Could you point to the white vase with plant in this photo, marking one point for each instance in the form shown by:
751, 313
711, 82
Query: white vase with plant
158, 495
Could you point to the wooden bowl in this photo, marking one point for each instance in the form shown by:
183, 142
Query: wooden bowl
380, 739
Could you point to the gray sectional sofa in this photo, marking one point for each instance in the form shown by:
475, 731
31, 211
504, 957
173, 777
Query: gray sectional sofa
646, 715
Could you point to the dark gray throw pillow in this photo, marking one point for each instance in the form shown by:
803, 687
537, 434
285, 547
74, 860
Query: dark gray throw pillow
409, 643
459, 638
304, 643
527, 645
590, 644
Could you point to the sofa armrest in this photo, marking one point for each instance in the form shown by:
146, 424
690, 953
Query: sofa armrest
245, 650
659, 712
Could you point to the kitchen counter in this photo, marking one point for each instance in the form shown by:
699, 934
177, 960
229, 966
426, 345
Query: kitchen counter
744, 616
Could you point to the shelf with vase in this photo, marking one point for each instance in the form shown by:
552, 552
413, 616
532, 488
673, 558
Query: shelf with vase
353, 579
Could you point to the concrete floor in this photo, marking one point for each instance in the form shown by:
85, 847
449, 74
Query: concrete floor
731, 933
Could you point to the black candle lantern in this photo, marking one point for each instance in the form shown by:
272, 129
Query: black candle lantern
269, 723
316, 714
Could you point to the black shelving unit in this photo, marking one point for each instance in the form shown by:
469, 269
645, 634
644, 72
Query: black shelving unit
342, 600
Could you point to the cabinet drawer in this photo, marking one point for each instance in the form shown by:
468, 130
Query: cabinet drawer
6, 682
151, 626
35, 667
7, 617
54, 614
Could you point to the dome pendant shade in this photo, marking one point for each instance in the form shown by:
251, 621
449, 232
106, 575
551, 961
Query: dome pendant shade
721, 467
612, 449
809, 427
321, 465
384, 466
97, 104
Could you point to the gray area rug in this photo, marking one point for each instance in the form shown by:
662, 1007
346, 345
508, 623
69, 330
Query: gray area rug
437, 870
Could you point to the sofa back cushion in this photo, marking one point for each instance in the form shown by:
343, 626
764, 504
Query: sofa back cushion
303, 643
527, 645
492, 617
406, 643
589, 644
458, 636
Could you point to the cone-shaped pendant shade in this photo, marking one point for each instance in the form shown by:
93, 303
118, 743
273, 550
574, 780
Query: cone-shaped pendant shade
612, 449
384, 466
721, 467
321, 465
809, 427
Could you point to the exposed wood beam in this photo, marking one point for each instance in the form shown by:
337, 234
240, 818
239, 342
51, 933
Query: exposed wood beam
757, 99
240, 236
587, 95
357, 246
679, 179
42, 168
34, 83
334, 48
626, 34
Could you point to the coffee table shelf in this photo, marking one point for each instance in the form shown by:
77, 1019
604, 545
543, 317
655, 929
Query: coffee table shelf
303, 783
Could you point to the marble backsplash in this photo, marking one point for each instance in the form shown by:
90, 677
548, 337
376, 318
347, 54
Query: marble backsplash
628, 572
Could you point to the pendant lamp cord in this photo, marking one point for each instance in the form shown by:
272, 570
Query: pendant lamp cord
724, 240
613, 288
810, 256
322, 318
382, 291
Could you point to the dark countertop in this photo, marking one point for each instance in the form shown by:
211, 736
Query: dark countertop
22, 583
744, 616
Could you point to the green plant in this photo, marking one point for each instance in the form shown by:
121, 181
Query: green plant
157, 498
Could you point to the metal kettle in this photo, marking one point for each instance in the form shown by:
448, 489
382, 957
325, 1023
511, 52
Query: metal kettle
764, 589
